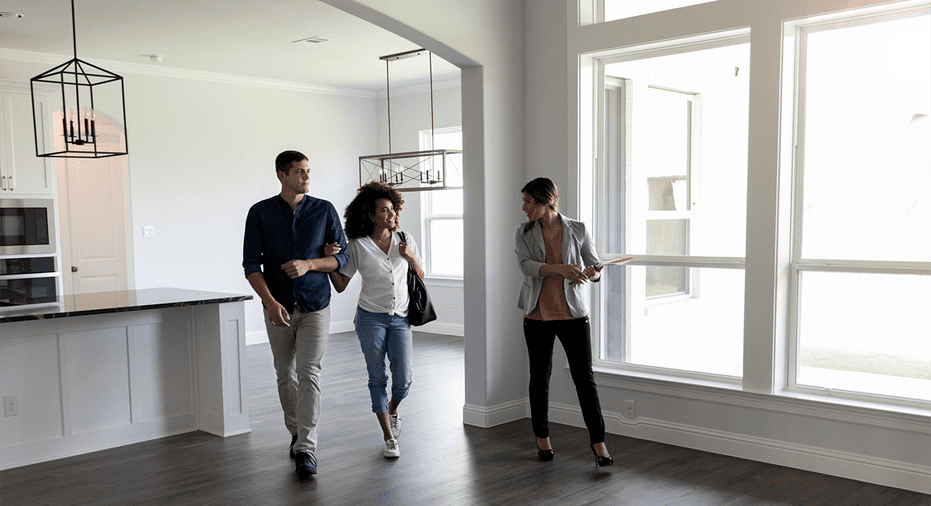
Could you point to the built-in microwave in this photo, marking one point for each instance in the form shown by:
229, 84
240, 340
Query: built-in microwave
27, 226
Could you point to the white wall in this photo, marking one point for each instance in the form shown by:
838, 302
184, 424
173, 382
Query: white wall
202, 150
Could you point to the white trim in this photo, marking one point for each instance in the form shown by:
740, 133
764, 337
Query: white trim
490, 416
905, 418
194, 75
886, 472
441, 281
724, 38
444, 328
422, 88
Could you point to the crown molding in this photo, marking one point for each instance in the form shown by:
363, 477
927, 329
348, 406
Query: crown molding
421, 88
193, 75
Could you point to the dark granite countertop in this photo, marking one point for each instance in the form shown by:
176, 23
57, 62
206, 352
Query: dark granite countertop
117, 302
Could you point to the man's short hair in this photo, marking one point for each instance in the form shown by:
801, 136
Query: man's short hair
286, 158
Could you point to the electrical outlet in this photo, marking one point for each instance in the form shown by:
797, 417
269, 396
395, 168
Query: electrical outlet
630, 409
10, 405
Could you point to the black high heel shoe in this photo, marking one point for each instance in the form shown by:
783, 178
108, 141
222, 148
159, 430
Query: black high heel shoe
602, 461
545, 455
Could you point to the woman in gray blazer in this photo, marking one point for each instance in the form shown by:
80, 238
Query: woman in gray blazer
557, 257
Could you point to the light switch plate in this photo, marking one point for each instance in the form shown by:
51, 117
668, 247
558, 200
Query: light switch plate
148, 231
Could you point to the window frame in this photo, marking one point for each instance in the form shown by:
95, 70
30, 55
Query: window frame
426, 205
607, 155
794, 79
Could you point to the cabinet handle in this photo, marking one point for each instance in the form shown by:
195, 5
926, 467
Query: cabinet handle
10, 181
2, 182
74, 268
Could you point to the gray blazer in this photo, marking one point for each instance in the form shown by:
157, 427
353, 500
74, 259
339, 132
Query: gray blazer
577, 247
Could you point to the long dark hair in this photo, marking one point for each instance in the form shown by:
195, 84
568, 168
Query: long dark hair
359, 212
543, 191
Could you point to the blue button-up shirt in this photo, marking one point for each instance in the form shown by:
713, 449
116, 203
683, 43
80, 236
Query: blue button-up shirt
275, 235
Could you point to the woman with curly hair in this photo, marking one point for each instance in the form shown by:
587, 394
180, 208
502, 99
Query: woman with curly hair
381, 256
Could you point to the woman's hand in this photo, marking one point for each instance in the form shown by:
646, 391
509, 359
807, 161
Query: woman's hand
407, 252
593, 273
331, 249
574, 273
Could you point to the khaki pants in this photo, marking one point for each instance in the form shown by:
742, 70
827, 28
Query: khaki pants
298, 355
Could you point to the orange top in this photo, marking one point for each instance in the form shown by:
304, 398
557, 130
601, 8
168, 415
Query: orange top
552, 304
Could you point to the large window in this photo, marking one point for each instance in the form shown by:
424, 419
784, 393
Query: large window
861, 250
442, 211
671, 191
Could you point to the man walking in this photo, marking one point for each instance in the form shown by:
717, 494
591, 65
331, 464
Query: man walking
284, 261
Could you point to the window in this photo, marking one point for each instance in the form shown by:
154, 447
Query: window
861, 250
442, 211
672, 193
599, 11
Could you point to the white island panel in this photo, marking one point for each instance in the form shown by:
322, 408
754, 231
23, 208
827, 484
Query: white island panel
156, 363
96, 379
29, 370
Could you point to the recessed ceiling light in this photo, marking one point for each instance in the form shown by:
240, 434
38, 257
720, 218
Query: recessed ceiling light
311, 40
11, 15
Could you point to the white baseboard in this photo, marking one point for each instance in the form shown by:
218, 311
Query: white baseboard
445, 328
479, 416
853, 466
436, 327
43, 450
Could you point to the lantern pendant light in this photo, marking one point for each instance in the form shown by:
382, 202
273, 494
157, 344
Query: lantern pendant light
433, 169
93, 109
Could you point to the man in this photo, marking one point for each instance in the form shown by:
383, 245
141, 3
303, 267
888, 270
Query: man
284, 261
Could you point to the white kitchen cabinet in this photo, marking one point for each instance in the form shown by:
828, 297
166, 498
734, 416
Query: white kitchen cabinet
21, 171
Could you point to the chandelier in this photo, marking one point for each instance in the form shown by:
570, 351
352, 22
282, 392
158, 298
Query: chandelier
85, 90
433, 169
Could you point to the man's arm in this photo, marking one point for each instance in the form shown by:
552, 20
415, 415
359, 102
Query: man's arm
276, 312
252, 264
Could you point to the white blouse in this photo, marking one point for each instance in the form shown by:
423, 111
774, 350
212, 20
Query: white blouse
384, 277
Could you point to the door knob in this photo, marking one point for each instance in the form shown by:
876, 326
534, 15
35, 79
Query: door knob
74, 268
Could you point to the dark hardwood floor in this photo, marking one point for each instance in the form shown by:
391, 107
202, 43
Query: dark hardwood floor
442, 461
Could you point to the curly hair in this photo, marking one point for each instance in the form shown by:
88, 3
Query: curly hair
358, 213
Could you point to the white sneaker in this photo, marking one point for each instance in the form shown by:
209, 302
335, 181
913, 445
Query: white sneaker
395, 422
391, 449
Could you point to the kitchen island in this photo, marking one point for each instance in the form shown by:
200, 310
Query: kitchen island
99, 370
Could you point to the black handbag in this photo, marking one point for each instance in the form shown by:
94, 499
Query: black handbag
419, 309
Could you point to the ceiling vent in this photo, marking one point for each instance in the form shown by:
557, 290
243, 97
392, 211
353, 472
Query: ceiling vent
311, 40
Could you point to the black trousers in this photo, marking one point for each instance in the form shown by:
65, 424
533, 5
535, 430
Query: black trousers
575, 336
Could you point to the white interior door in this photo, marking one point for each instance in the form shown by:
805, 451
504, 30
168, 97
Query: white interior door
93, 219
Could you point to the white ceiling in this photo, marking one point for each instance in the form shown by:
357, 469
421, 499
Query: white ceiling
253, 39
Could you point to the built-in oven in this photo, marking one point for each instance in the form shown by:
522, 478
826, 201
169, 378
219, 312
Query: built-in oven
27, 227
28, 280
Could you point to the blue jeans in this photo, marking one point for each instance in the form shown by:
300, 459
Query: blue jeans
381, 335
